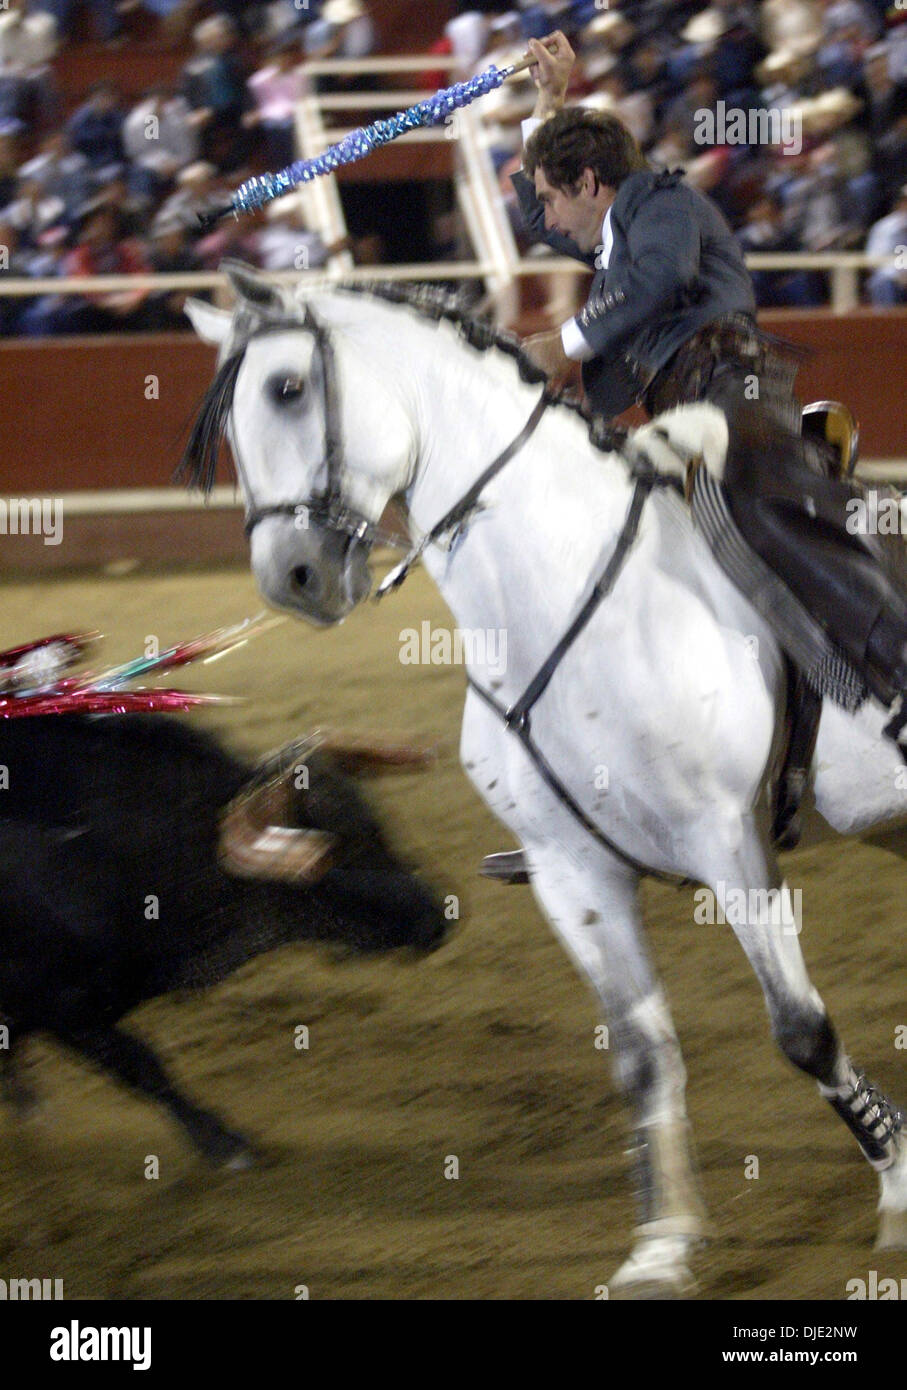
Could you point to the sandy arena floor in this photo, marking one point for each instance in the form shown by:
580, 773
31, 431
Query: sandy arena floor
483, 1051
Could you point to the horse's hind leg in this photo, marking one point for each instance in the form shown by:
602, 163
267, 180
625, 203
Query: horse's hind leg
595, 911
759, 907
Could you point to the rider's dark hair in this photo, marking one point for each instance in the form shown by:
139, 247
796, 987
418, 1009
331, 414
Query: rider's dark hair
576, 139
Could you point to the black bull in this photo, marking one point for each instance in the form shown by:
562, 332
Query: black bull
113, 887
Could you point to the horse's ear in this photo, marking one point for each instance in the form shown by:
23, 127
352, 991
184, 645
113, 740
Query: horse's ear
212, 325
254, 292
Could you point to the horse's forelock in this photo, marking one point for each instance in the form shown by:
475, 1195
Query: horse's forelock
198, 465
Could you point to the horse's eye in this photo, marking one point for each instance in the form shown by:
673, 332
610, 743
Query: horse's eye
285, 389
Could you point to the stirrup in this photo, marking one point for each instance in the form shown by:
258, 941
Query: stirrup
510, 867
833, 422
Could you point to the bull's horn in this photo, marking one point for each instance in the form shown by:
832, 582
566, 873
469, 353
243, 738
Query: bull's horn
357, 754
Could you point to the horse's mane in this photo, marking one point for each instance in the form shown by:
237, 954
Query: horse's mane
435, 302
198, 465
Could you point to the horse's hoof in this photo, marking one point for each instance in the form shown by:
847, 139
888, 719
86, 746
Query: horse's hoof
230, 1152
656, 1269
674, 1289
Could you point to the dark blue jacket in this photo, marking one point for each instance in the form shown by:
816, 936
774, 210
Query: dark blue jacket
675, 266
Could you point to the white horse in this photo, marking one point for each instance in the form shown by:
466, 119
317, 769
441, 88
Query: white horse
663, 720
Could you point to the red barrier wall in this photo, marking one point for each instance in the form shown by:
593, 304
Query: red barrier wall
108, 412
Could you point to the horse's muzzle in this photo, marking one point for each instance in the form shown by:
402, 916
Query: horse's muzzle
315, 572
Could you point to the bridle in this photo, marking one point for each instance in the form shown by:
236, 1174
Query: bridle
326, 507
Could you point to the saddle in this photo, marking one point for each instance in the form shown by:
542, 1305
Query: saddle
816, 666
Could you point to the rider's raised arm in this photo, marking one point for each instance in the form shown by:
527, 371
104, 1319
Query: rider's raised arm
551, 74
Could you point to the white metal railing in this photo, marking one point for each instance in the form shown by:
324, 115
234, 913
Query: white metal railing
844, 264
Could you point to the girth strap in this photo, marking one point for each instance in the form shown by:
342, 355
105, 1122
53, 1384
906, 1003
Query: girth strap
517, 717
518, 714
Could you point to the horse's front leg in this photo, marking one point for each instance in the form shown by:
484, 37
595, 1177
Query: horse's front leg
593, 906
761, 909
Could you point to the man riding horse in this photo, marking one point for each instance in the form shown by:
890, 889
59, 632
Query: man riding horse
670, 319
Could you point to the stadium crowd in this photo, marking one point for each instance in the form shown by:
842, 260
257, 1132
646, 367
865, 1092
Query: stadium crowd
790, 114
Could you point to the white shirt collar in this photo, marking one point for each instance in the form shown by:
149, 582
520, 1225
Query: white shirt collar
607, 242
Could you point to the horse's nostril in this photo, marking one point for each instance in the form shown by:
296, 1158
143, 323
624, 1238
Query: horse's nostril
301, 575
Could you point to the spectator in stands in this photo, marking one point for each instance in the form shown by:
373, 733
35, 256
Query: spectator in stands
285, 242
28, 40
817, 207
100, 249
343, 30
12, 265
60, 172
633, 108
737, 52
214, 85
236, 237
698, 40
32, 212
763, 230
603, 42
505, 107
887, 286
645, 71
105, 12
885, 99
467, 35
159, 139
844, 16
96, 130
699, 93
791, 25
786, 77
891, 153
28, 43
175, 18
9, 165
840, 58
277, 89
198, 192
171, 252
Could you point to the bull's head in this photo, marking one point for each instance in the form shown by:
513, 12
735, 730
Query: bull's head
300, 821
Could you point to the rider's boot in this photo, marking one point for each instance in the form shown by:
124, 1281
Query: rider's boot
886, 653
509, 867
